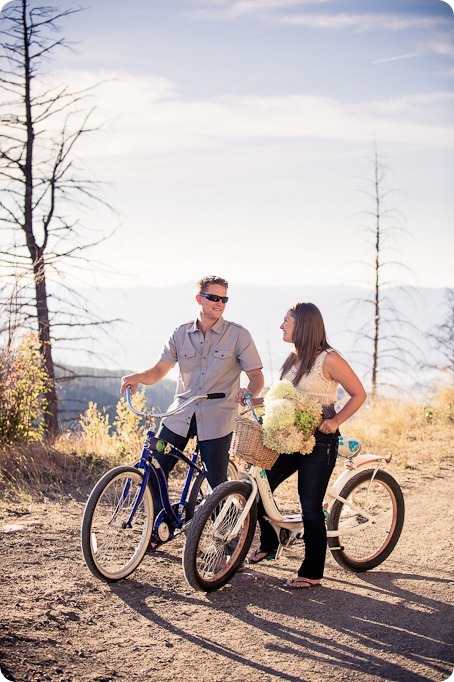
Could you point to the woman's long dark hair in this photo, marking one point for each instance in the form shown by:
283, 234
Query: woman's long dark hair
309, 339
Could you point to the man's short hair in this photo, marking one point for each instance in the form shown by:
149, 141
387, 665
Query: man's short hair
203, 283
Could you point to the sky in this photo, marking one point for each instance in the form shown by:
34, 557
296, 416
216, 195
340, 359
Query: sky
238, 137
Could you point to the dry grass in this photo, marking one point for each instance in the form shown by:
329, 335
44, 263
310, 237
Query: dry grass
37, 471
417, 435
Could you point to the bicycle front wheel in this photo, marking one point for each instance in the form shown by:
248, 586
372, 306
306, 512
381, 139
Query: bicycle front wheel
113, 545
369, 522
209, 560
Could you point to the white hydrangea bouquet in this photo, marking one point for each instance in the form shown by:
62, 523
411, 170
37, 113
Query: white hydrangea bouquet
290, 419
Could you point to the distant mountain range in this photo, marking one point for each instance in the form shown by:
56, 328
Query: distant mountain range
150, 314
102, 387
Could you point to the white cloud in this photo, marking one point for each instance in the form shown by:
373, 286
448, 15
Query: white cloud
444, 47
395, 59
362, 22
148, 116
301, 13
225, 9
259, 6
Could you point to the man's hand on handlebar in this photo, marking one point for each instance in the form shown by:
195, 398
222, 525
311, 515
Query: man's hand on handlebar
245, 392
131, 381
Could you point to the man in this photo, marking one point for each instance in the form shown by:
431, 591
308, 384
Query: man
211, 354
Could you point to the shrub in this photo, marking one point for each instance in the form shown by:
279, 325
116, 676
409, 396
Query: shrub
95, 429
23, 381
129, 427
441, 407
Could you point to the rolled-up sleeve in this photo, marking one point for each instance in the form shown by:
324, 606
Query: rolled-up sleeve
247, 353
169, 351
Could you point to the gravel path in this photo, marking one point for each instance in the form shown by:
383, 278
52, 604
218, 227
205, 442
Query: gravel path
394, 623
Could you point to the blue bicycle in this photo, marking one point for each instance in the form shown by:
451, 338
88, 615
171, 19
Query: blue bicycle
119, 521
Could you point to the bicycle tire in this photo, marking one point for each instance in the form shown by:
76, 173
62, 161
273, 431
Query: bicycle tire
111, 551
195, 498
368, 548
208, 561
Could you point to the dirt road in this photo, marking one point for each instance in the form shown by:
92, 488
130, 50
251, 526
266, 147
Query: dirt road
394, 623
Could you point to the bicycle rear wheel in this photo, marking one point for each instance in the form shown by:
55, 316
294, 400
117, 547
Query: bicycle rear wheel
232, 471
113, 550
209, 561
361, 546
196, 497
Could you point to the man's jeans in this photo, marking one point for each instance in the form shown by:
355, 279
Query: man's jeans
214, 454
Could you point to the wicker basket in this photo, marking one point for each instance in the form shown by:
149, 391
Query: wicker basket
247, 443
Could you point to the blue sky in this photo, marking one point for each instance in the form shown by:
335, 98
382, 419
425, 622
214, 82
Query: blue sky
238, 136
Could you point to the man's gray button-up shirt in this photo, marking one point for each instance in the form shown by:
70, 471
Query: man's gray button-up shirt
210, 364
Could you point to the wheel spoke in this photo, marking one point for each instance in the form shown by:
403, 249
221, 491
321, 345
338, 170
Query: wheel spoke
211, 555
117, 543
369, 522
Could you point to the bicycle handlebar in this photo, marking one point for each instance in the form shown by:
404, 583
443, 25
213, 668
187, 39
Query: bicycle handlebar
180, 408
248, 400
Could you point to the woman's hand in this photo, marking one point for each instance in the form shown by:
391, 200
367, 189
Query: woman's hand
328, 426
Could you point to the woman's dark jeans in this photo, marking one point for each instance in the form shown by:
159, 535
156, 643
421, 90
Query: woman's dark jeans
314, 471
214, 454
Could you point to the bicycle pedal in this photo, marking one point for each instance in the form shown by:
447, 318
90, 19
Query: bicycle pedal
163, 532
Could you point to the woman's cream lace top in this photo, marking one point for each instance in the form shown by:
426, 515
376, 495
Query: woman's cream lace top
315, 384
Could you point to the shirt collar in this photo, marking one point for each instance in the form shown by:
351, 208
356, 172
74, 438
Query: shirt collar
217, 327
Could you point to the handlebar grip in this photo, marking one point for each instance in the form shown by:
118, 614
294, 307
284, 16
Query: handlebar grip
213, 396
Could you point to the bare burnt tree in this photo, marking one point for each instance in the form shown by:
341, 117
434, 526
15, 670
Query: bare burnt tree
12, 314
44, 187
392, 349
442, 338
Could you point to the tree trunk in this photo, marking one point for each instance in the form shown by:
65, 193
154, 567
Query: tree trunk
51, 413
377, 281
37, 252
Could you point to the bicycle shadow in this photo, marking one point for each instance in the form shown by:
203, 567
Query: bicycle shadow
386, 620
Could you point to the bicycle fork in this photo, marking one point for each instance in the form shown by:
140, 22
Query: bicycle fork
226, 508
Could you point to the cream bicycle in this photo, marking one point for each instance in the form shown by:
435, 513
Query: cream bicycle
364, 511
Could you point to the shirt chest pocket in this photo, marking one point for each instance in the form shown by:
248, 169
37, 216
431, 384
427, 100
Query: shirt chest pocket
187, 360
224, 355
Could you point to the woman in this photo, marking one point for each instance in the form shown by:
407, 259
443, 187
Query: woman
316, 369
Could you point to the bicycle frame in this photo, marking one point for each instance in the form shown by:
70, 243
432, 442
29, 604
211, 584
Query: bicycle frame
294, 523
172, 513
151, 466
258, 480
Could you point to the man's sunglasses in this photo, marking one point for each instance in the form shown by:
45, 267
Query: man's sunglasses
215, 298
